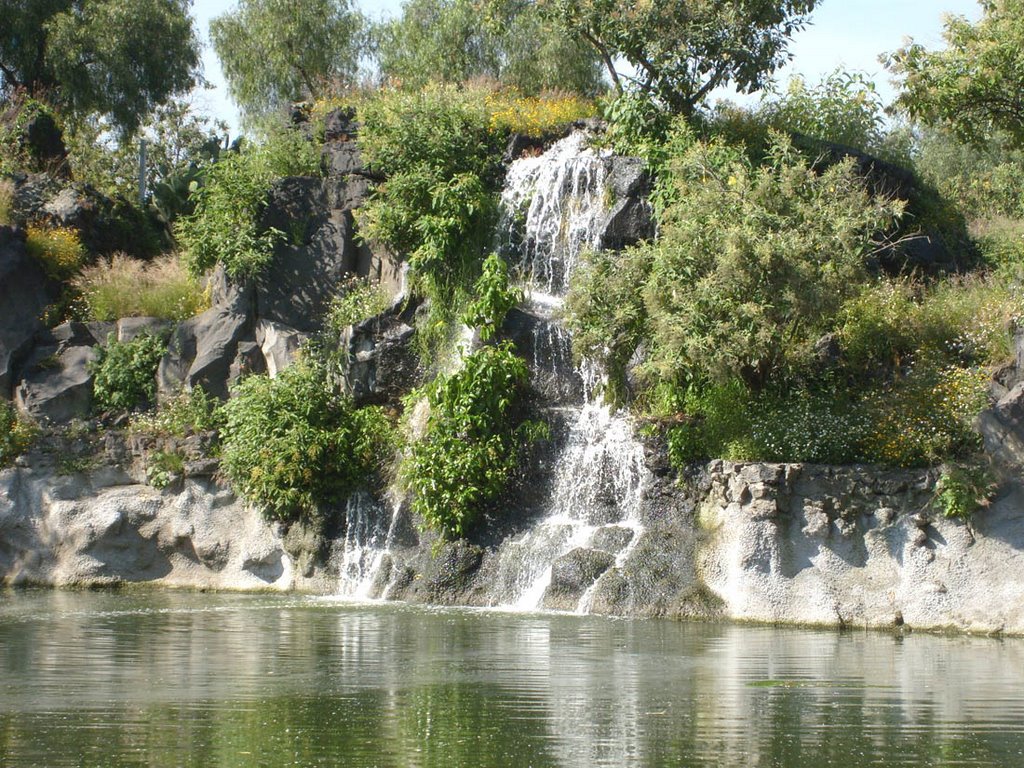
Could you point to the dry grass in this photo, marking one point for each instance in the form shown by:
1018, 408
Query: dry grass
126, 287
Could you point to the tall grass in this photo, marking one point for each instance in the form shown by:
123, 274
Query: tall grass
126, 287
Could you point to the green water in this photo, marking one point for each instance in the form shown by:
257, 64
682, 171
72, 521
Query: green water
169, 679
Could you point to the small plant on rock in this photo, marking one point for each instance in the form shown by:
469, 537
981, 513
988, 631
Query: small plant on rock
16, 434
125, 372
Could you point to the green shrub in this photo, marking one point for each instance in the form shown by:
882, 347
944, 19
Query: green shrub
163, 467
473, 442
962, 489
224, 228
125, 287
926, 416
437, 206
754, 263
715, 423
357, 300
290, 445
6, 203
843, 108
493, 297
188, 413
125, 372
16, 435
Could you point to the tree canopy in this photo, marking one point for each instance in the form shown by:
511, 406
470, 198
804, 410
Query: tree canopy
975, 85
275, 52
681, 50
116, 58
458, 40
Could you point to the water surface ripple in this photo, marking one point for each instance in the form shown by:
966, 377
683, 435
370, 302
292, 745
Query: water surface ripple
176, 679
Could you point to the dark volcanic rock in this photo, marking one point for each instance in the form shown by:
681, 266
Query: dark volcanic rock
58, 388
572, 574
201, 352
381, 364
23, 297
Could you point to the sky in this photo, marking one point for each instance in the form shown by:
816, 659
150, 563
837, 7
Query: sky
843, 33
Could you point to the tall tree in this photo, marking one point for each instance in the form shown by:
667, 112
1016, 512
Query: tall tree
976, 85
115, 58
681, 50
505, 40
278, 51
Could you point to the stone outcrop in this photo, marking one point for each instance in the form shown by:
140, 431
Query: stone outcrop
24, 296
56, 384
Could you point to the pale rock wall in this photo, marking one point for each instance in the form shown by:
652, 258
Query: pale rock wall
857, 547
103, 528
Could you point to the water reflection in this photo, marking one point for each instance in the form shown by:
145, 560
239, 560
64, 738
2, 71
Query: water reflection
198, 680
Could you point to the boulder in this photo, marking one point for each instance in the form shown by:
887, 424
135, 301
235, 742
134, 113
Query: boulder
23, 297
279, 345
309, 267
381, 364
572, 574
201, 352
58, 388
129, 328
630, 221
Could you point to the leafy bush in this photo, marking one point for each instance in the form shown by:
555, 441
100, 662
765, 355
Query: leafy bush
125, 372
473, 440
16, 435
125, 287
224, 228
57, 249
163, 467
926, 416
964, 488
358, 299
186, 414
766, 254
492, 298
289, 445
6, 203
843, 108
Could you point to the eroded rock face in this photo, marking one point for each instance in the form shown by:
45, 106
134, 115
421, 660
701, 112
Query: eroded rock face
103, 529
23, 297
201, 352
855, 546
381, 363
56, 385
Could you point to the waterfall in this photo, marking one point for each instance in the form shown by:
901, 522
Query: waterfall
554, 206
369, 533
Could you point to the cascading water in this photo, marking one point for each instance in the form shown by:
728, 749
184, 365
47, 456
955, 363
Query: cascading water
369, 531
554, 206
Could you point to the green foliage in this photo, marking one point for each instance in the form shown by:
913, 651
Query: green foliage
962, 489
163, 468
493, 297
681, 50
6, 203
448, 41
189, 413
16, 435
290, 445
766, 254
357, 300
105, 57
843, 108
605, 311
127, 287
124, 374
983, 180
225, 228
473, 440
975, 85
274, 53
180, 144
437, 206
17, 153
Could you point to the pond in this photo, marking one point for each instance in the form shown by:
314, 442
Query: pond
147, 678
